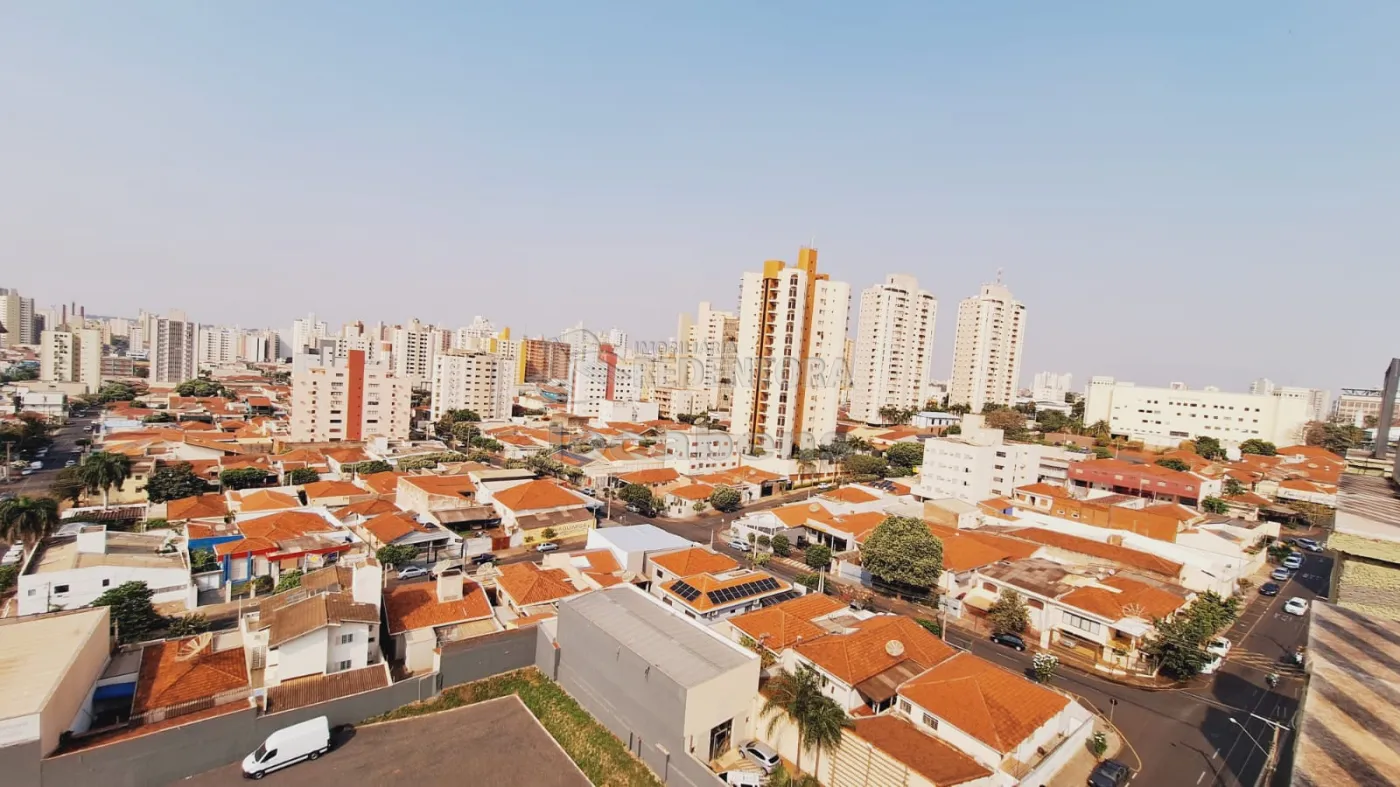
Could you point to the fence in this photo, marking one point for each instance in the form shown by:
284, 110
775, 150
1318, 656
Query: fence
193, 706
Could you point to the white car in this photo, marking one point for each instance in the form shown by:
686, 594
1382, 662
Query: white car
1296, 606
742, 546
412, 572
1213, 665
762, 755
70, 463
548, 546
1219, 647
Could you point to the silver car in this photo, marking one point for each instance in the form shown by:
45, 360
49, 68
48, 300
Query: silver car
762, 755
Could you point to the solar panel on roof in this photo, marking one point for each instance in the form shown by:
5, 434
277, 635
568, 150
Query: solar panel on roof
685, 591
726, 595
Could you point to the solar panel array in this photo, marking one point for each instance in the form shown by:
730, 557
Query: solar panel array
779, 598
685, 590
727, 595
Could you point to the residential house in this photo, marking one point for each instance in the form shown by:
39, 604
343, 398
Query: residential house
180, 675
440, 497
1112, 511
274, 543
687, 501
358, 513
1305, 491
71, 569
632, 545
595, 568
208, 506
657, 478
423, 616
715, 596
661, 567
1151, 481
752, 482
862, 666
261, 501
541, 510
383, 484
300, 633
528, 591
333, 494
785, 624
402, 528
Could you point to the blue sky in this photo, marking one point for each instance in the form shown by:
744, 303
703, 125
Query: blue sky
1197, 191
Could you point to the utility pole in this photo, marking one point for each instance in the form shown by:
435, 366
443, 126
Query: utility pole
1272, 760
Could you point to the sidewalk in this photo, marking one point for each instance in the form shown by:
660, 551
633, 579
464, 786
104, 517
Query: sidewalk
1075, 773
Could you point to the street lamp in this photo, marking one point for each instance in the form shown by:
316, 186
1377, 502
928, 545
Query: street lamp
1252, 739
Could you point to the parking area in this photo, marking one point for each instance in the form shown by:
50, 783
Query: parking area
452, 747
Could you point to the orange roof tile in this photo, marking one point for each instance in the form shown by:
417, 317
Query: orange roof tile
1311, 452
263, 533
410, 607
1088, 546
1304, 485
527, 584
206, 506
444, 485
657, 475
1128, 598
320, 489
366, 508
940, 763
798, 514
993, 705
178, 671
600, 560
788, 623
694, 560
848, 494
347, 455
536, 495
708, 582
693, 492
388, 528
385, 483
265, 500
864, 653
1047, 490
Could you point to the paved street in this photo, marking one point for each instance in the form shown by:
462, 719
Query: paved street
64, 448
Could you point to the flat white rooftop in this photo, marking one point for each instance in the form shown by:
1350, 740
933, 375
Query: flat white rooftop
35, 655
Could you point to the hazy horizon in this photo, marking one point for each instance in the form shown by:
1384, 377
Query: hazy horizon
1195, 193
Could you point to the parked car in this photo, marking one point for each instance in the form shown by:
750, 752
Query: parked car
548, 546
412, 572
1280, 575
1219, 646
1009, 640
70, 463
307, 740
1212, 665
761, 754
1110, 773
484, 558
740, 544
1268, 589
36, 465
1293, 561
1309, 544
744, 778
1296, 606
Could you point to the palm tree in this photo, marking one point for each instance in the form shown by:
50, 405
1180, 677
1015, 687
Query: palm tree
103, 470
819, 720
826, 721
781, 778
28, 519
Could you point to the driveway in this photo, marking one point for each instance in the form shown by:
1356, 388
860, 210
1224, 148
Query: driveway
494, 742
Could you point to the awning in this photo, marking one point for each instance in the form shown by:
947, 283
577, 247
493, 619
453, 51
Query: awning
114, 691
883, 686
979, 602
1133, 627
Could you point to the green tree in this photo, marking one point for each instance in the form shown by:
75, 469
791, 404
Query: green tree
1009, 614
1209, 448
186, 626
818, 556
102, 470
288, 581
1076, 411
1260, 447
909, 455
895, 415
494, 446
302, 475
961, 408
781, 778
202, 386
1098, 744
243, 478
639, 498
161, 417
1337, 438
133, 615
1100, 452
781, 546
549, 534
1053, 421
901, 550
451, 417
67, 485
116, 392
28, 519
1172, 463
395, 555
1178, 648
173, 482
1009, 421
1043, 665
1099, 430
9, 575
465, 431
798, 696
1234, 488
726, 499
368, 467
1214, 505
202, 560
865, 465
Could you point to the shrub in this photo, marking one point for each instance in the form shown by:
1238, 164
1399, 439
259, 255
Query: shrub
186, 625
1098, 744
8, 576
809, 581
289, 580
818, 556
765, 541
1044, 666
781, 546
934, 627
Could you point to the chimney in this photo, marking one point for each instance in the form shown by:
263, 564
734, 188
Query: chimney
449, 585
366, 581
92, 540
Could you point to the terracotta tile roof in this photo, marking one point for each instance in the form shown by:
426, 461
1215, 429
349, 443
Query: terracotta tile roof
600, 560
320, 489
1132, 599
1304, 485
527, 584
195, 530
302, 455
206, 506
940, 763
442, 485
693, 492
328, 579
658, 475
1248, 499
604, 580
347, 455
385, 483
1047, 490
265, 500
315, 689
705, 583
535, 495
694, 560
366, 508
1088, 546
517, 440
786, 624
288, 619
849, 494
862, 524
1311, 452
864, 654
993, 705
177, 671
1174, 510
410, 607
740, 475
530, 620
263, 533
798, 514
388, 528
631, 428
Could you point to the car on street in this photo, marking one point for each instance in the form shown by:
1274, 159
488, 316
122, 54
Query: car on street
744, 778
740, 544
1309, 544
1280, 575
36, 465
1212, 665
1219, 646
1269, 589
1293, 561
412, 572
761, 754
1296, 606
484, 558
70, 463
1009, 640
1110, 773
548, 546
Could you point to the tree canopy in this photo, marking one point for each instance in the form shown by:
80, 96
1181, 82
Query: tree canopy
909, 455
1336, 438
640, 498
865, 464
901, 550
243, 478
102, 470
1009, 614
133, 615
1260, 447
1011, 422
452, 417
1173, 463
203, 386
1214, 505
173, 482
27, 519
726, 499
396, 555
1209, 448
302, 475
159, 417
817, 556
368, 467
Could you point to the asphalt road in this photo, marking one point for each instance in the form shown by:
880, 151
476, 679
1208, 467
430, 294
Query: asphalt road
64, 448
1180, 737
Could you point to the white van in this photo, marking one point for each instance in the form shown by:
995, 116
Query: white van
305, 741
744, 778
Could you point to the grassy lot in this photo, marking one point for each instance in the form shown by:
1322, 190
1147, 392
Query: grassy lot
600, 755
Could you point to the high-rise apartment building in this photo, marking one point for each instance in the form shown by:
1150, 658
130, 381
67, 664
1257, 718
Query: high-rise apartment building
16, 318
600, 375
72, 357
173, 355
893, 349
987, 348
306, 332
470, 380
475, 336
546, 360
218, 345
414, 347
1051, 386
707, 348
1360, 407
791, 346
337, 399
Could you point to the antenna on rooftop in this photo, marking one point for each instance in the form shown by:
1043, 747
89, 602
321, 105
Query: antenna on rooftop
999, 270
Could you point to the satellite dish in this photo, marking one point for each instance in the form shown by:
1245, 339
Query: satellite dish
194, 646
814, 507
895, 648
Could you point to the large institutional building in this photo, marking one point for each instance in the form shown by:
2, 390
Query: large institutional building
1163, 417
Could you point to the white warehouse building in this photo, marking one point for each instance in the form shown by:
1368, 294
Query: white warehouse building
1165, 417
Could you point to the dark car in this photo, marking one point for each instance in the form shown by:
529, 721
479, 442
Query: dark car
1269, 589
1110, 773
485, 558
1009, 640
